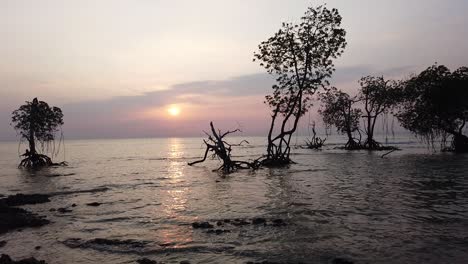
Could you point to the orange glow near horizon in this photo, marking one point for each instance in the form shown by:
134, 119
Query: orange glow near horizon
211, 108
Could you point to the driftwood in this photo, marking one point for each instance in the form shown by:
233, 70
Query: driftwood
222, 150
383, 156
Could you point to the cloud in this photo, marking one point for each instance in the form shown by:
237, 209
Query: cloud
228, 102
346, 78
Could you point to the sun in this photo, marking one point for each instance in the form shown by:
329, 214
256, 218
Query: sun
173, 111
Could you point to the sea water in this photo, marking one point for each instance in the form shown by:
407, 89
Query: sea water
410, 206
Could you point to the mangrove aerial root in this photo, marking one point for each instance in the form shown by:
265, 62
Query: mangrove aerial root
353, 145
36, 161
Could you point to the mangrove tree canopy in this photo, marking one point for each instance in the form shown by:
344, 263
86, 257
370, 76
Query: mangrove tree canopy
36, 122
300, 56
434, 105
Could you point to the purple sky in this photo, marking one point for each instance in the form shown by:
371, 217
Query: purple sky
115, 67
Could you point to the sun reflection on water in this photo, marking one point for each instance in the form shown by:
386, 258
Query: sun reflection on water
175, 198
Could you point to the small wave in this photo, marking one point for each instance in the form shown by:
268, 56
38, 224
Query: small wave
139, 207
158, 159
91, 230
138, 246
94, 190
108, 245
307, 170
60, 175
299, 204
114, 219
196, 249
131, 186
173, 158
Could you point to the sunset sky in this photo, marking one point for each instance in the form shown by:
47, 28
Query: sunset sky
147, 68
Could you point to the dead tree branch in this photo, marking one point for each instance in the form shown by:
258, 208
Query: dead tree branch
221, 149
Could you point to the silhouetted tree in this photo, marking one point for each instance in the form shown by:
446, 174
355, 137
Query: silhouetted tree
378, 96
301, 56
434, 104
36, 121
338, 110
222, 150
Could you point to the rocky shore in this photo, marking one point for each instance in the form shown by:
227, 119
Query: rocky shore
12, 217
5, 259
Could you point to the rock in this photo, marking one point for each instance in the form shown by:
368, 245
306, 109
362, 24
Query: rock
2, 243
12, 218
258, 221
93, 204
218, 231
341, 261
5, 259
263, 262
227, 220
22, 199
63, 210
74, 205
37, 247
146, 261
202, 225
219, 223
278, 222
184, 262
107, 244
52, 210
116, 242
240, 222
167, 244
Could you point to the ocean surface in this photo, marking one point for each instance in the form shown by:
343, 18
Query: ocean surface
409, 207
